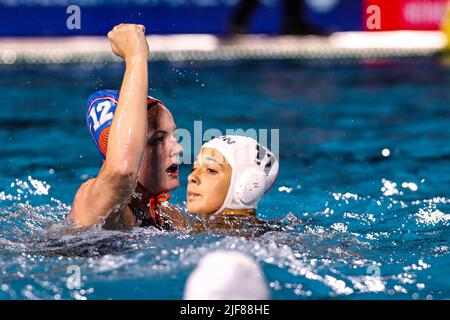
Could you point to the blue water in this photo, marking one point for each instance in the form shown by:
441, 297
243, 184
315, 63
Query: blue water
359, 225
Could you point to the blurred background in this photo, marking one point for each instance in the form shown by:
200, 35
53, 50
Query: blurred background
220, 17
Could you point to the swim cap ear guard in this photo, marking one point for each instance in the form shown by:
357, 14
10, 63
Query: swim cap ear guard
101, 106
250, 186
254, 170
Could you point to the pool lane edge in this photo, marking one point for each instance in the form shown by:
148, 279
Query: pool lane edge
204, 47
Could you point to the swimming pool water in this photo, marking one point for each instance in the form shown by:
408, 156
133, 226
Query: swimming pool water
359, 225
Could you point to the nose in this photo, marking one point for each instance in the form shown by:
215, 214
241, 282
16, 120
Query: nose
193, 177
177, 149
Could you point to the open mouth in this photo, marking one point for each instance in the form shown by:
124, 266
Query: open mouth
172, 171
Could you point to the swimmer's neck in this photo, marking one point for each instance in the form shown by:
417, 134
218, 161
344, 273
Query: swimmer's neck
141, 196
247, 213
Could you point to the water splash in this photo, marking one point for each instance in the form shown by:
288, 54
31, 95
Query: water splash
356, 246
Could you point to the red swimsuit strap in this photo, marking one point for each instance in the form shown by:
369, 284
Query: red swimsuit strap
154, 203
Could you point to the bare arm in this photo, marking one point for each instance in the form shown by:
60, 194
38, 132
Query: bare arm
129, 127
109, 192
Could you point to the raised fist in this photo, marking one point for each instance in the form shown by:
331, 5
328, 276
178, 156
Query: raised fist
128, 41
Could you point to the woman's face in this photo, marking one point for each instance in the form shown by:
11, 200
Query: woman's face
208, 182
159, 168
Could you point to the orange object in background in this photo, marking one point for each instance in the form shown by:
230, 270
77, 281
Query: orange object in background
407, 14
445, 26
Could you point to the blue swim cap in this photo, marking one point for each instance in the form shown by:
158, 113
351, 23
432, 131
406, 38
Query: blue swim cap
101, 106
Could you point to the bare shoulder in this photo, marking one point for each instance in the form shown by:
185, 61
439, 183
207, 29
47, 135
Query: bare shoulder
177, 218
84, 191
85, 186
92, 205
79, 201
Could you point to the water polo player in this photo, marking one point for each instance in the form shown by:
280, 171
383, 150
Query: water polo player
135, 135
230, 176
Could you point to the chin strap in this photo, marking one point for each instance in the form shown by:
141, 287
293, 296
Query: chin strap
153, 204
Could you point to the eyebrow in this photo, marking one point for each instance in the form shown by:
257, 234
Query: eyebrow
155, 135
159, 131
213, 160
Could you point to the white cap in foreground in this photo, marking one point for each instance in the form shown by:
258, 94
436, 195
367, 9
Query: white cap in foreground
226, 275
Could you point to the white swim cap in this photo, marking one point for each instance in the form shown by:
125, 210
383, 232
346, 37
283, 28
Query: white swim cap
226, 275
254, 170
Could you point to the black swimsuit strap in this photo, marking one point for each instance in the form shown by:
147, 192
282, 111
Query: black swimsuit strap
144, 217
